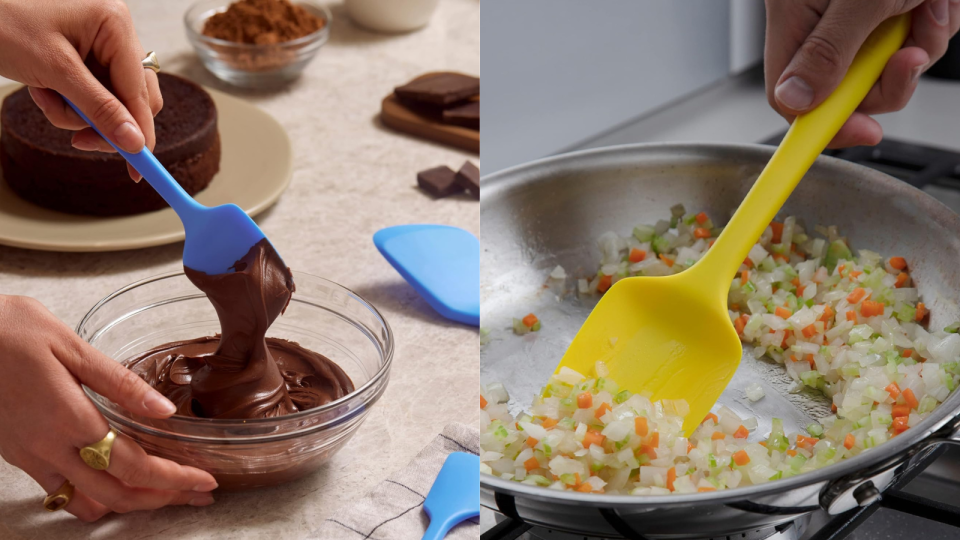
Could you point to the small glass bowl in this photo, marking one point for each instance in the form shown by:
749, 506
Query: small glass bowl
252, 65
243, 454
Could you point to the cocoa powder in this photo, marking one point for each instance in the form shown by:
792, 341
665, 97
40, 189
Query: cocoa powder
262, 22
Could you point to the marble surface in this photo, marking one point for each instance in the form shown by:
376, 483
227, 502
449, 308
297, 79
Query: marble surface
352, 177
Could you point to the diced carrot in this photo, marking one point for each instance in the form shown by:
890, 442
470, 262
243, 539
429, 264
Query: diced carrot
640, 426
809, 331
671, 476
710, 245
780, 257
841, 268
650, 451
800, 290
531, 464
856, 296
711, 416
900, 410
604, 284
637, 255
828, 313
791, 452
483, 403
744, 277
893, 390
735, 306
740, 323
701, 232
689, 446
705, 489
849, 441
795, 282
655, 439
902, 278
584, 488
855, 274
793, 358
585, 400
666, 260
601, 410
870, 308
786, 335
900, 424
777, 229
898, 262
741, 432
577, 476
702, 218
549, 423
593, 437
783, 313
852, 316
717, 435
748, 263
809, 359
907, 353
921, 311
531, 442
741, 458
833, 407
529, 320
763, 443
806, 442
910, 398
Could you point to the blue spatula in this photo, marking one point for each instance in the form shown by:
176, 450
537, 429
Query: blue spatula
442, 263
455, 495
216, 237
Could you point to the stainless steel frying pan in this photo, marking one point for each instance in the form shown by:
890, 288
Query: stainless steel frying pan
550, 212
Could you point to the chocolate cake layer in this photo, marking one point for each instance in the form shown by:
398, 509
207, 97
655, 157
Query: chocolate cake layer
41, 166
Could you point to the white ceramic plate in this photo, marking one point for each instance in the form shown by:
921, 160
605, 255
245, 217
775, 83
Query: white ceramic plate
256, 164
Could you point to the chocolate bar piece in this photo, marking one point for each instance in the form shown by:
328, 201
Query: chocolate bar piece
466, 115
440, 89
468, 177
439, 181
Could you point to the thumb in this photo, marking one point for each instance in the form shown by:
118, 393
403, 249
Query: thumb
824, 56
110, 379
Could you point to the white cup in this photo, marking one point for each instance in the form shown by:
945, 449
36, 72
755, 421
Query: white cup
391, 15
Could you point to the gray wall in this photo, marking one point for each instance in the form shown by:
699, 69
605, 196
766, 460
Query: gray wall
559, 72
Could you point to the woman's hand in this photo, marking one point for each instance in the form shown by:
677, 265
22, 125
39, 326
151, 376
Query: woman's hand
43, 44
46, 419
811, 43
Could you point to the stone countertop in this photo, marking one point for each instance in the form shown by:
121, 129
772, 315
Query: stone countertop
351, 177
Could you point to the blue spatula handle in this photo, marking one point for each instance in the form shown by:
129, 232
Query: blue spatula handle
155, 174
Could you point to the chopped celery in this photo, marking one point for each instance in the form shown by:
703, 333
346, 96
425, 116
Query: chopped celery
660, 244
838, 250
815, 429
622, 396
568, 479
796, 462
535, 327
953, 328
539, 480
643, 233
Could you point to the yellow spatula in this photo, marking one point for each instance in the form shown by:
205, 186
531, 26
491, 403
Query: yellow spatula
671, 336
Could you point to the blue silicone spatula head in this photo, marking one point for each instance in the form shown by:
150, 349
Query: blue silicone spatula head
216, 237
442, 263
455, 495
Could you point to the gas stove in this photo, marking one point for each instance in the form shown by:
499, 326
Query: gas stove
923, 503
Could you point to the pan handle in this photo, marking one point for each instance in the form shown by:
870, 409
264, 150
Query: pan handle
864, 487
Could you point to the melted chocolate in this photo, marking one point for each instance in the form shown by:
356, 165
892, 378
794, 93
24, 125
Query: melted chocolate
241, 373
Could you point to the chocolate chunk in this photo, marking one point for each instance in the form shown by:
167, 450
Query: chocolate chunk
439, 181
466, 115
468, 177
440, 89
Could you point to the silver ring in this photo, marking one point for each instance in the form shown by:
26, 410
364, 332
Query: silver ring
151, 62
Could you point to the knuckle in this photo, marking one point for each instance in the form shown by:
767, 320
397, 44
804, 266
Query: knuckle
821, 53
156, 103
121, 505
109, 112
114, 8
136, 476
126, 383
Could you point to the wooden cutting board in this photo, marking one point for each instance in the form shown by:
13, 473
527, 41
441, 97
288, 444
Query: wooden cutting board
397, 116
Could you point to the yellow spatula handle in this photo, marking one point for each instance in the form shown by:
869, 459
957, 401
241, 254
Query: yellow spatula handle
806, 139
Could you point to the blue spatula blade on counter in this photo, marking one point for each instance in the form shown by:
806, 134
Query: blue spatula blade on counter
215, 237
455, 495
442, 263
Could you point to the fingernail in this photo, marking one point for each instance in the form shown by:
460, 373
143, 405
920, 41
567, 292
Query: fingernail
940, 11
201, 501
795, 94
208, 486
916, 72
86, 146
154, 401
128, 137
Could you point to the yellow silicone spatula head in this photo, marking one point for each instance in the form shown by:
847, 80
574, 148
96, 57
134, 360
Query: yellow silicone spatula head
672, 336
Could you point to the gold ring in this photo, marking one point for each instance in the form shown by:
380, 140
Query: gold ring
59, 499
97, 455
151, 62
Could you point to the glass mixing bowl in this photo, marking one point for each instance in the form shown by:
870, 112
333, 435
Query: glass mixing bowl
254, 65
243, 454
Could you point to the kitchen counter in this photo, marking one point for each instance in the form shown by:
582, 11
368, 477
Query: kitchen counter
351, 177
